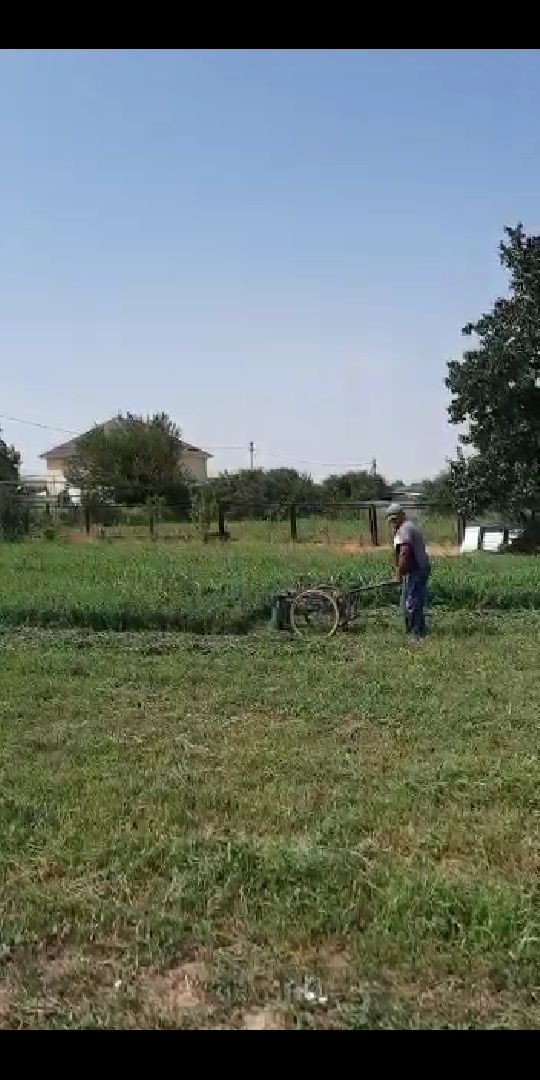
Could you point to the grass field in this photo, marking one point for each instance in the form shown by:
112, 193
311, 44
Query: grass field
206, 588
206, 829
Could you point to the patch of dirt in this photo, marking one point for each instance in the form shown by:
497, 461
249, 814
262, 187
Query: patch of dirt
63, 963
379, 746
442, 549
337, 965
458, 997
329, 959
265, 1019
5, 1002
175, 990
66, 971
348, 545
343, 545
366, 547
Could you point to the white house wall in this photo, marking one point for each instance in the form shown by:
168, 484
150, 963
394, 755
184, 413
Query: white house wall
193, 463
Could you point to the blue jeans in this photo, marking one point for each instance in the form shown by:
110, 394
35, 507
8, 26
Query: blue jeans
413, 598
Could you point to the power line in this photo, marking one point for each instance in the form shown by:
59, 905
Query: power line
242, 448
34, 423
261, 453
324, 464
69, 431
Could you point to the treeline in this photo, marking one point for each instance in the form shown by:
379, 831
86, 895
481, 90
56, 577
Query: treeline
264, 492
133, 462
12, 523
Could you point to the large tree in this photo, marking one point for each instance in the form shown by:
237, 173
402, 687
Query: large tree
11, 513
495, 391
9, 462
256, 492
439, 492
131, 459
356, 486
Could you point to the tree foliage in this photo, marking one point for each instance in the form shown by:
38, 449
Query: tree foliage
263, 492
12, 515
259, 492
439, 492
358, 486
9, 462
495, 391
130, 460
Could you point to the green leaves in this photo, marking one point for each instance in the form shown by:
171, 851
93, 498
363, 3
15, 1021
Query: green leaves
495, 389
268, 492
130, 459
9, 461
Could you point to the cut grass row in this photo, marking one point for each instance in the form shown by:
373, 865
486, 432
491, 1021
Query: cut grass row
125, 585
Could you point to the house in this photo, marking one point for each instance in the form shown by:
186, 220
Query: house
192, 459
408, 495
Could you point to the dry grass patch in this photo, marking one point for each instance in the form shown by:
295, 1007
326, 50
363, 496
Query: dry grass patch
265, 1019
5, 1003
169, 995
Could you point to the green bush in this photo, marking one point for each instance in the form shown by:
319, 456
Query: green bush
107, 514
528, 542
13, 515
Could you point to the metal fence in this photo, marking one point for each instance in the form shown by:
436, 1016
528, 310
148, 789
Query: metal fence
344, 522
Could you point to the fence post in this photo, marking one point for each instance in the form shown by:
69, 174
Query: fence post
87, 520
151, 524
375, 528
294, 526
221, 521
372, 526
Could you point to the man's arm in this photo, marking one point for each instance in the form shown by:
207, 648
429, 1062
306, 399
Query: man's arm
405, 560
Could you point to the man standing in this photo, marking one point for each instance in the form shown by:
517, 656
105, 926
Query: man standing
413, 569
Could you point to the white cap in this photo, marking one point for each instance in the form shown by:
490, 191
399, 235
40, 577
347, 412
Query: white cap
394, 509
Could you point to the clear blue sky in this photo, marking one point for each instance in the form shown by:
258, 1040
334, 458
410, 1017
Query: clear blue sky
277, 245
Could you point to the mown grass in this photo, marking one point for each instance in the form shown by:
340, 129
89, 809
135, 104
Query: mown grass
192, 827
228, 587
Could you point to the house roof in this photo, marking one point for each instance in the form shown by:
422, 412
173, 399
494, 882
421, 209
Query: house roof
62, 450
68, 449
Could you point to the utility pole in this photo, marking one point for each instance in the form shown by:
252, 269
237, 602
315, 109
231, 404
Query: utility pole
251, 453
374, 466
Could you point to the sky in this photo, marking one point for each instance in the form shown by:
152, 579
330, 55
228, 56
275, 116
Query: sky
270, 245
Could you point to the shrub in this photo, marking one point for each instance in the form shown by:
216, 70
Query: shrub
528, 542
13, 515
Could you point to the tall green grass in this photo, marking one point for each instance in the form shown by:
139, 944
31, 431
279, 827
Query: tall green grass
224, 588
338, 527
